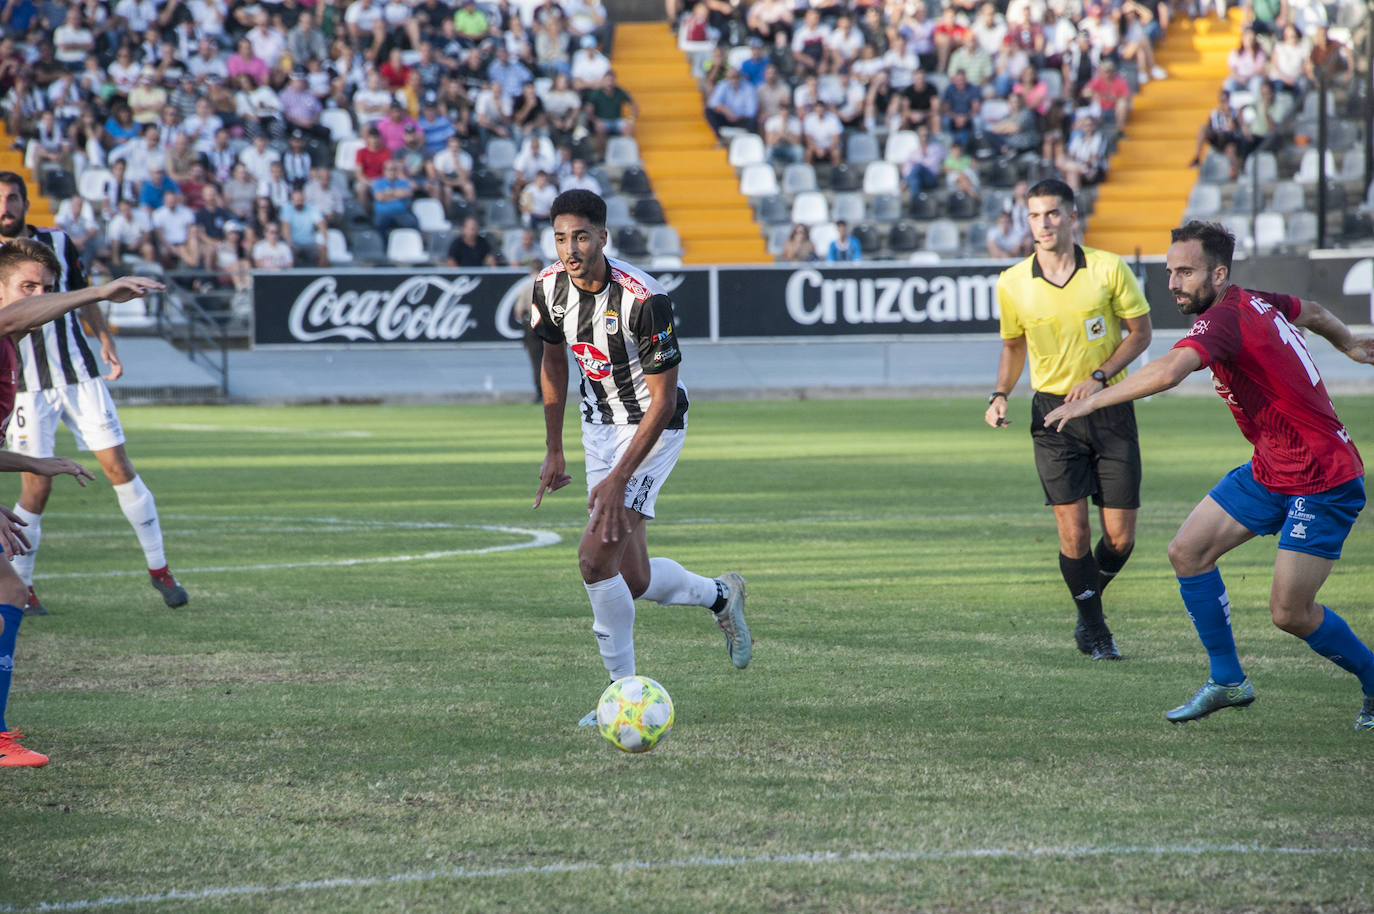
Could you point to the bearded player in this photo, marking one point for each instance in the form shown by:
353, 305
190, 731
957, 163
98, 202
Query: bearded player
1305, 481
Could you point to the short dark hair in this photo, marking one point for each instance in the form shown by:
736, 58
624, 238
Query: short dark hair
582, 203
1052, 187
1218, 244
14, 179
26, 250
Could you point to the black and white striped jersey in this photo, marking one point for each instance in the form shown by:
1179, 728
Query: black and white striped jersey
57, 353
617, 335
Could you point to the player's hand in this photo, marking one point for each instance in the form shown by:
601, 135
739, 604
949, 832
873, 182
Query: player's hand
552, 476
127, 288
1084, 389
1062, 414
12, 539
111, 358
996, 413
606, 503
1361, 349
58, 466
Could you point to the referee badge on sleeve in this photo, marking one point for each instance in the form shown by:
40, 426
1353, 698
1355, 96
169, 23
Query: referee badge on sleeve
1095, 327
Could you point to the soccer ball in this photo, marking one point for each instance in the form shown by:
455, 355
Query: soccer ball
634, 713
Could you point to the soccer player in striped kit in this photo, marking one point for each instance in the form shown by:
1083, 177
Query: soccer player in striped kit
618, 322
1305, 481
60, 382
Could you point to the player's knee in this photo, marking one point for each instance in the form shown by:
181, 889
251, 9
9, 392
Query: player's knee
13, 591
1185, 559
1297, 618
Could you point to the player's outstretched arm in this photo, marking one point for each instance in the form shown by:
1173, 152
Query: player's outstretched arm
1331, 328
25, 314
553, 378
10, 462
94, 318
1161, 374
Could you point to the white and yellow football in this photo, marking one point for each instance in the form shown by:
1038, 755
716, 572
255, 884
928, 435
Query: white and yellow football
634, 713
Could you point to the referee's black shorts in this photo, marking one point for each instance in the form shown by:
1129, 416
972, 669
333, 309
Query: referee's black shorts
1096, 456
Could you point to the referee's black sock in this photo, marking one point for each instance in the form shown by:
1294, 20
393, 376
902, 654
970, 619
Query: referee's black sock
1081, 575
1109, 562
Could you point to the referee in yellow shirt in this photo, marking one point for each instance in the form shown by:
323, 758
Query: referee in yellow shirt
1067, 306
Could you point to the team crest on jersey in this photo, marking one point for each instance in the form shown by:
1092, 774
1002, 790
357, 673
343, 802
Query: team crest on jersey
612, 322
1095, 327
596, 365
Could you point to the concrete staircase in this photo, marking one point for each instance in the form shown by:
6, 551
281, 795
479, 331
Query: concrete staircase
1149, 180
41, 209
690, 173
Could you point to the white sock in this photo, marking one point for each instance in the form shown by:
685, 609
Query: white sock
138, 506
23, 565
613, 623
670, 583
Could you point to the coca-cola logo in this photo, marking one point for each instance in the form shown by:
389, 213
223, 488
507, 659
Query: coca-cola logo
423, 307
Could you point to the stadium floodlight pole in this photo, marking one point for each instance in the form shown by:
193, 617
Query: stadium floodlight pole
1323, 95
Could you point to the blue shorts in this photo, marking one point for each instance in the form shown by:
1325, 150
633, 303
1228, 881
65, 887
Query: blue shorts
1317, 524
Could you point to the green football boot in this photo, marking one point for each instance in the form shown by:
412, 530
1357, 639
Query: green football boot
1212, 697
1366, 719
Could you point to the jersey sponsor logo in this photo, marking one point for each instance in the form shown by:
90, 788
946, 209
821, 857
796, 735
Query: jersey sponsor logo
665, 334
408, 311
596, 365
1299, 512
1198, 328
612, 322
1095, 327
664, 355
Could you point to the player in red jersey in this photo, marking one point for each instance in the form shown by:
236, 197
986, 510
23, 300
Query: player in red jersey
27, 270
1305, 481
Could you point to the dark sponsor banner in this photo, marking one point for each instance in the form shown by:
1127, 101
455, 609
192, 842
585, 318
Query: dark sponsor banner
448, 307
433, 307
836, 301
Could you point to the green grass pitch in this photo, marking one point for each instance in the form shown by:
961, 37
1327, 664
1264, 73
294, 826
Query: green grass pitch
370, 703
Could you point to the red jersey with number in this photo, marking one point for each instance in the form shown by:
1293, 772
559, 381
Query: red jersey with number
1262, 369
9, 381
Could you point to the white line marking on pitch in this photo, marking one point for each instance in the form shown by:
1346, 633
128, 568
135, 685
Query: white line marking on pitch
810, 857
537, 539
268, 430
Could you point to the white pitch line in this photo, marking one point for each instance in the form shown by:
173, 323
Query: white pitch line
538, 538
267, 429
816, 858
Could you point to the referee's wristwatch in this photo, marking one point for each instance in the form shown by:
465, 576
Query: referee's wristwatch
994, 395
1100, 376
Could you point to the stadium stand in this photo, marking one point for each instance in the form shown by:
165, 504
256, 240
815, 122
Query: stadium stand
909, 167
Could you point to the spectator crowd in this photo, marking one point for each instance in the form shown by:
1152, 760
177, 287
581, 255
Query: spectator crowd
228, 135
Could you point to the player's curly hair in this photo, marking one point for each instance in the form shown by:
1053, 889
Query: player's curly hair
1218, 244
582, 203
15, 179
26, 250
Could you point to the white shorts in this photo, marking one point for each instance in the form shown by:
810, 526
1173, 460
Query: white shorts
87, 408
605, 443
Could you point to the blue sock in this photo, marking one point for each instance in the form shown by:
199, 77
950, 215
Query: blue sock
1334, 640
1204, 596
12, 615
